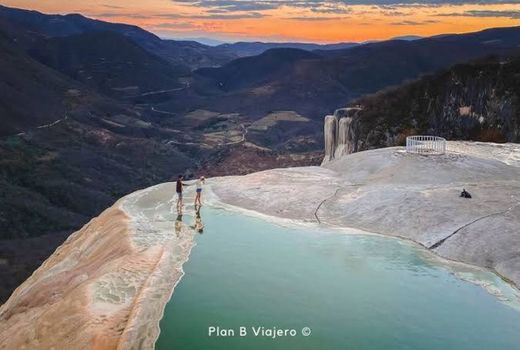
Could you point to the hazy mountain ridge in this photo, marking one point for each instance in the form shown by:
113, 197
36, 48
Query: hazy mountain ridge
70, 24
90, 58
249, 72
314, 85
51, 26
256, 48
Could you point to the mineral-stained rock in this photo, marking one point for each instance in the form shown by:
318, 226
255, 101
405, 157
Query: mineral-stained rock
106, 286
330, 135
341, 133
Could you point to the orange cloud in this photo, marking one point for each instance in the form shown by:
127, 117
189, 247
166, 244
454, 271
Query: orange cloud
326, 21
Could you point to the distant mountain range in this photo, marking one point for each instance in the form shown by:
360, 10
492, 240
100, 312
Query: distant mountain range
182, 53
407, 37
313, 82
194, 53
243, 49
257, 47
203, 41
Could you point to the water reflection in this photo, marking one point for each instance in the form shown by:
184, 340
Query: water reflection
178, 225
198, 226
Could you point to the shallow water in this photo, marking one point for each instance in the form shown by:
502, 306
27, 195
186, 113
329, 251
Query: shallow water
353, 291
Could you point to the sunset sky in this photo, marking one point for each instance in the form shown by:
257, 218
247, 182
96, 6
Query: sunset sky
298, 20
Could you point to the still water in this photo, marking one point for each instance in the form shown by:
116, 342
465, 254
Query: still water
354, 292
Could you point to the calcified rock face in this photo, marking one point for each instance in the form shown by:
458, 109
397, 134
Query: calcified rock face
340, 134
345, 138
391, 192
106, 286
330, 132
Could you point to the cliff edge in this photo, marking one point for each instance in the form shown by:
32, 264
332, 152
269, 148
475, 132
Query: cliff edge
106, 286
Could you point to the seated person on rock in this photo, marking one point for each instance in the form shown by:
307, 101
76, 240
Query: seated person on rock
465, 194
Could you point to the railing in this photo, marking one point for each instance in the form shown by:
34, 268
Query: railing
425, 144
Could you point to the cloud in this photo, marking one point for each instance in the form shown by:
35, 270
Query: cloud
482, 13
229, 6
230, 15
243, 9
394, 13
316, 19
210, 15
315, 5
112, 6
233, 6
168, 16
331, 9
119, 15
413, 23
176, 26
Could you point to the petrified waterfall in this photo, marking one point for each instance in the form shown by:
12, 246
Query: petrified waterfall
330, 134
340, 134
345, 137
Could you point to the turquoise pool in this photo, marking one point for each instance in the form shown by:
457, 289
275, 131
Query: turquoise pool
355, 292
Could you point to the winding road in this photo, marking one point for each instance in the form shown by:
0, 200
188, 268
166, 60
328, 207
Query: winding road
44, 126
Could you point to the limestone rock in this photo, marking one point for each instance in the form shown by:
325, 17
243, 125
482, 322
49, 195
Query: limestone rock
391, 192
330, 132
106, 286
340, 133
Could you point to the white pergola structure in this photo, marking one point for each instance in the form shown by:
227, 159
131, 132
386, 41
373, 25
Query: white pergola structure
424, 144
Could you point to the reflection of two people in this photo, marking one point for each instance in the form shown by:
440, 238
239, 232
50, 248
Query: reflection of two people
198, 226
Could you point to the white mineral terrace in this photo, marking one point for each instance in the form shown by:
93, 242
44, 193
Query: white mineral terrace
107, 285
412, 196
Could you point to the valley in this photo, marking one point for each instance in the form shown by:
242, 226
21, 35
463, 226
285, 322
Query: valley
93, 110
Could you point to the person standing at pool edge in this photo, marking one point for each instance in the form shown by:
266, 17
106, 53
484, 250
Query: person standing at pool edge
198, 194
179, 189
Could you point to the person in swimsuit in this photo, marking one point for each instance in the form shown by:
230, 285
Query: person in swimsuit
201, 181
